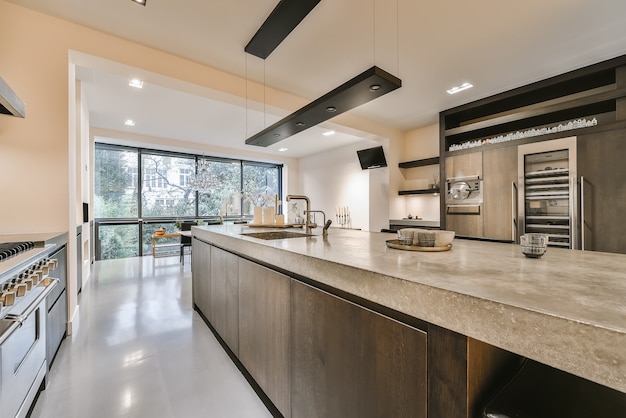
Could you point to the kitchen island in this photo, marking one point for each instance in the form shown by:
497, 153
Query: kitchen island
565, 310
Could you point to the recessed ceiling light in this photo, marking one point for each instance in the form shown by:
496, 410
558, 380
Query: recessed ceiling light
299, 124
462, 87
328, 133
142, 2
331, 109
129, 122
135, 82
276, 135
283, 149
375, 87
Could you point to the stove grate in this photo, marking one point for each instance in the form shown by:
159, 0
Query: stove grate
9, 249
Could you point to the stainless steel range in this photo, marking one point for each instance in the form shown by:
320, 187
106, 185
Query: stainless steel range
26, 280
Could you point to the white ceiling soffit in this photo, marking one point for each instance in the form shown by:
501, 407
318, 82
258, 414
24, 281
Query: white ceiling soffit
432, 46
210, 118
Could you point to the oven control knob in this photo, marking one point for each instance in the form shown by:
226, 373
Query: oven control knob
7, 297
51, 264
27, 282
34, 278
39, 273
20, 290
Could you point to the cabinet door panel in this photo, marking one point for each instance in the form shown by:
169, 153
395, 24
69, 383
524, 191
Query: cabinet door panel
264, 330
500, 196
465, 165
201, 276
468, 225
601, 164
351, 362
225, 296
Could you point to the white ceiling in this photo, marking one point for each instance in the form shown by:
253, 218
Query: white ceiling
431, 45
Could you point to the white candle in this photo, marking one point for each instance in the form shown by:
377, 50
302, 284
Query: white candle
268, 216
258, 215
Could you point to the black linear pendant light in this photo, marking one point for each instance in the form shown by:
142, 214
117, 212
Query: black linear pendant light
363, 88
284, 18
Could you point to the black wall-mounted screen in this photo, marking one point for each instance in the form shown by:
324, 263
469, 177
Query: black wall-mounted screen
372, 158
85, 212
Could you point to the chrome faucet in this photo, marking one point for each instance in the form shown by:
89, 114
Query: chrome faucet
307, 222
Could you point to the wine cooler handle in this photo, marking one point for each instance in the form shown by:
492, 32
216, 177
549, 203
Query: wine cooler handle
514, 212
582, 213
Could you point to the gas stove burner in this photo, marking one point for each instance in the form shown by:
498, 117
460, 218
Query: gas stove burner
9, 249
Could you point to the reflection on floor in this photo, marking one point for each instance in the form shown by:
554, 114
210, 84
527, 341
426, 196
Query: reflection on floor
141, 351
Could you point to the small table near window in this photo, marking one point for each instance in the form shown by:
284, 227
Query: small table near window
155, 237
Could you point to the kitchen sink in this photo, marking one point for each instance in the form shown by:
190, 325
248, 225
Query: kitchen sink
276, 235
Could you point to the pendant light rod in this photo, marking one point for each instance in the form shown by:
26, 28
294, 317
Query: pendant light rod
284, 18
365, 87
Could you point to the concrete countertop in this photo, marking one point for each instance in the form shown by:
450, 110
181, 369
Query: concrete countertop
566, 309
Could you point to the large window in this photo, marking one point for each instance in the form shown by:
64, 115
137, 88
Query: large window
261, 183
163, 194
118, 241
115, 183
225, 198
137, 190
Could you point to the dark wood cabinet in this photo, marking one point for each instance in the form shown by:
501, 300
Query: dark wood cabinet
264, 326
601, 172
351, 362
500, 193
316, 354
201, 277
224, 296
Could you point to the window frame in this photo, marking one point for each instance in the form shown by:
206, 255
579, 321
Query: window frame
141, 220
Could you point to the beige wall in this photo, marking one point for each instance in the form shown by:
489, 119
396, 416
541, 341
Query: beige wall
335, 179
35, 64
41, 161
419, 144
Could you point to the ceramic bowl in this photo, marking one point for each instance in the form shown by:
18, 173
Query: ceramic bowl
443, 238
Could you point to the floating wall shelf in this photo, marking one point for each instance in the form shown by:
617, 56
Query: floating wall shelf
419, 191
419, 163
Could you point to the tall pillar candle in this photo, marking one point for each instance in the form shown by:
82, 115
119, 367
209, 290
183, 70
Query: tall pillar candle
268, 215
258, 215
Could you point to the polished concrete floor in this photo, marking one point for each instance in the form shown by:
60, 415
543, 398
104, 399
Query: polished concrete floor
139, 350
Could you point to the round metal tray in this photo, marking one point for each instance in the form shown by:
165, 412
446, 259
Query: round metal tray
394, 243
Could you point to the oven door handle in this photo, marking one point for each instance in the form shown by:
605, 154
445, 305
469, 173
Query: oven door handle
18, 319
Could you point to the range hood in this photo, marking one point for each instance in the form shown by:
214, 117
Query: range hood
10, 104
